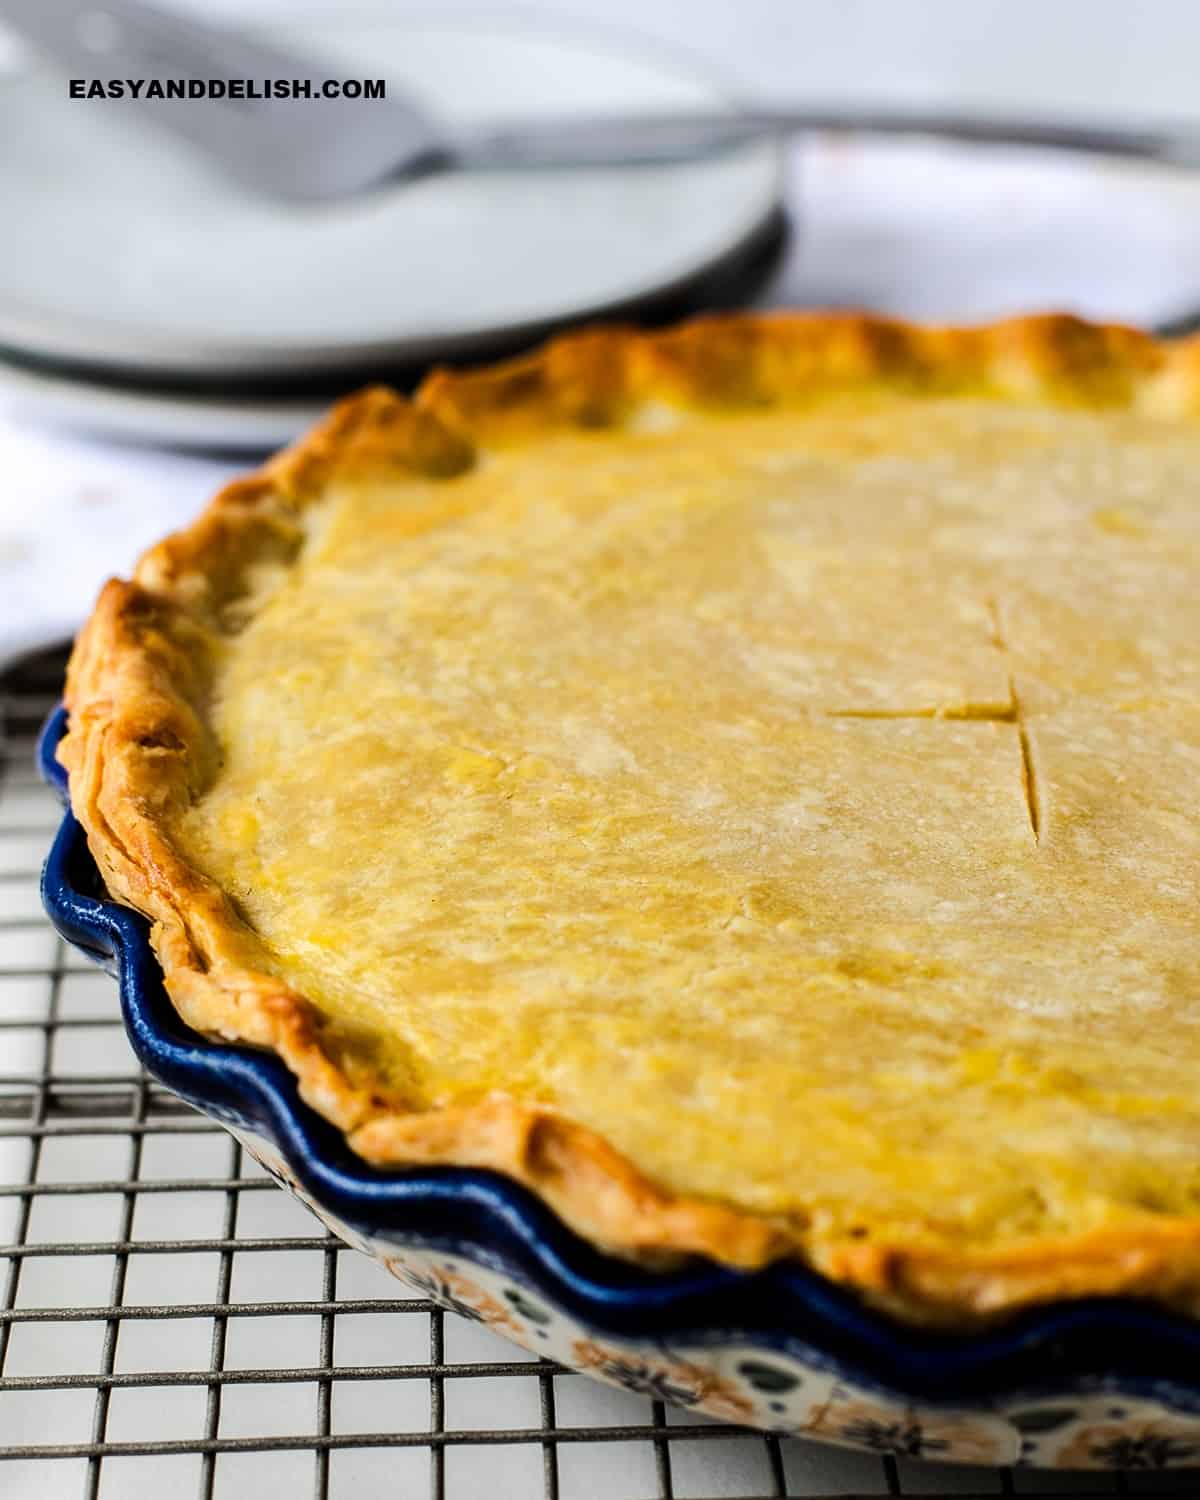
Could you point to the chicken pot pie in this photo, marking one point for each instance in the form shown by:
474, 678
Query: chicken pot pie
740, 782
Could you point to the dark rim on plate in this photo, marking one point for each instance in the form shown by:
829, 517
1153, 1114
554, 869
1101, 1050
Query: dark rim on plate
1058, 1347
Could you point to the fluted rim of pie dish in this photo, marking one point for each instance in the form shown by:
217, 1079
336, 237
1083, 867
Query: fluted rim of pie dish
1056, 1346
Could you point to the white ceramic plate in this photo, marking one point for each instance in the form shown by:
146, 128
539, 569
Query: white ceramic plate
206, 422
123, 251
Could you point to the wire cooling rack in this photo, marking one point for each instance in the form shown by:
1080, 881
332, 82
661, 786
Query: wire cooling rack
172, 1323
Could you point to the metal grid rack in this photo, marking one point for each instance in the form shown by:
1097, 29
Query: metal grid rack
171, 1322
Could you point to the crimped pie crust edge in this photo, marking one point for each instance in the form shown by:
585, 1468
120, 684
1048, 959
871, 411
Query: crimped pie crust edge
138, 747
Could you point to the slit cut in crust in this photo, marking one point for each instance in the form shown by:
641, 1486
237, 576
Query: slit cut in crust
140, 749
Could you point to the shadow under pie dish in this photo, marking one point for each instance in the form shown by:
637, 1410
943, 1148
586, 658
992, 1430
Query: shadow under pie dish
734, 783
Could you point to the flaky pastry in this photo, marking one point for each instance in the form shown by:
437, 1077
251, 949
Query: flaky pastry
739, 782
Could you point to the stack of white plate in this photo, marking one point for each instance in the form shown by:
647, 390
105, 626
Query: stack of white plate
143, 295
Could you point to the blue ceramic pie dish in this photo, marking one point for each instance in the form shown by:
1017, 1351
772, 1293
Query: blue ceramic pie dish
1103, 1383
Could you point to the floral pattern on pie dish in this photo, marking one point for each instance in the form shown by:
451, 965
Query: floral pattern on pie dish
793, 1356
786, 1393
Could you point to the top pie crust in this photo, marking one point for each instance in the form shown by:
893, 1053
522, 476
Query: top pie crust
738, 781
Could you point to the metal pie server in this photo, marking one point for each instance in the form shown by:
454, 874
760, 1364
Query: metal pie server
330, 147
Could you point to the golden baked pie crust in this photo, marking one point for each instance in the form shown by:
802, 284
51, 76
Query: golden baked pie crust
140, 750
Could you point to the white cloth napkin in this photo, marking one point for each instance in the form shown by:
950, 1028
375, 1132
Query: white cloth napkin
952, 233
72, 513
912, 228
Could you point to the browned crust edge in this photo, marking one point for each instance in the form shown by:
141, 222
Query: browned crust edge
138, 748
